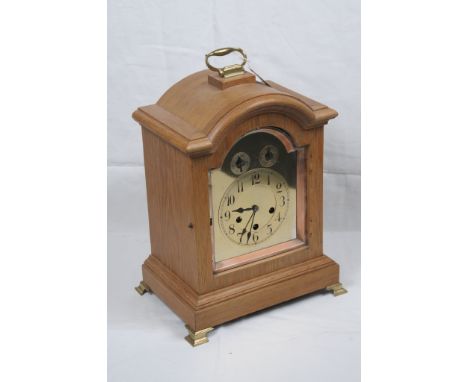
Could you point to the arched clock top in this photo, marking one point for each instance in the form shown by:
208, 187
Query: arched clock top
266, 147
234, 181
195, 116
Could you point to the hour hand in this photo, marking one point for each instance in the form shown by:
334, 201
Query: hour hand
240, 209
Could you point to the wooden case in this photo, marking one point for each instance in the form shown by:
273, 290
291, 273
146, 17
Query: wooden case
185, 134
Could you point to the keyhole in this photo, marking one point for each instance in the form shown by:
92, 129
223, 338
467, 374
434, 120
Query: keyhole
268, 155
240, 163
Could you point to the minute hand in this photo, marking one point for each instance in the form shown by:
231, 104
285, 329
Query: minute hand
251, 225
244, 230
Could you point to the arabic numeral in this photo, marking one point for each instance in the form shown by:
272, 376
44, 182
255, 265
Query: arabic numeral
255, 178
283, 200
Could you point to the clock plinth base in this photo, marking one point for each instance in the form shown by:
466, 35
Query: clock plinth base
337, 289
142, 288
205, 310
197, 338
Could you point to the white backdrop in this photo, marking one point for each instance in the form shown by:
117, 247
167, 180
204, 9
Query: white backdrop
312, 47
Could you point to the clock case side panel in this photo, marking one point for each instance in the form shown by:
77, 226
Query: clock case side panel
311, 141
168, 174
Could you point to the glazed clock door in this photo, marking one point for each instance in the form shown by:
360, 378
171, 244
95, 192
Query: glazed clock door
254, 199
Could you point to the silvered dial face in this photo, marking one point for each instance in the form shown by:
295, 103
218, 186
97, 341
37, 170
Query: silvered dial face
254, 206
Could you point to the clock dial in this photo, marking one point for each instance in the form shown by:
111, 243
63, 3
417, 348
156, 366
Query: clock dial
240, 163
254, 206
268, 156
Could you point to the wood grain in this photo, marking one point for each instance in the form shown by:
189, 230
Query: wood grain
206, 310
194, 115
224, 83
185, 135
170, 207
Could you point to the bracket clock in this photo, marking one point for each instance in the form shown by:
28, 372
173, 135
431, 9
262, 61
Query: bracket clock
234, 175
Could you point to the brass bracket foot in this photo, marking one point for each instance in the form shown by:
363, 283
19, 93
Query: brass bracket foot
199, 337
142, 288
337, 289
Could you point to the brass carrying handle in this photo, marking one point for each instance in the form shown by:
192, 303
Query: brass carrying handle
230, 70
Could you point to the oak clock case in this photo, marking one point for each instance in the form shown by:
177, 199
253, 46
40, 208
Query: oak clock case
234, 176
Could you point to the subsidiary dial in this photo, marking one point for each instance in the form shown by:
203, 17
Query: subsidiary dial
268, 156
240, 163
